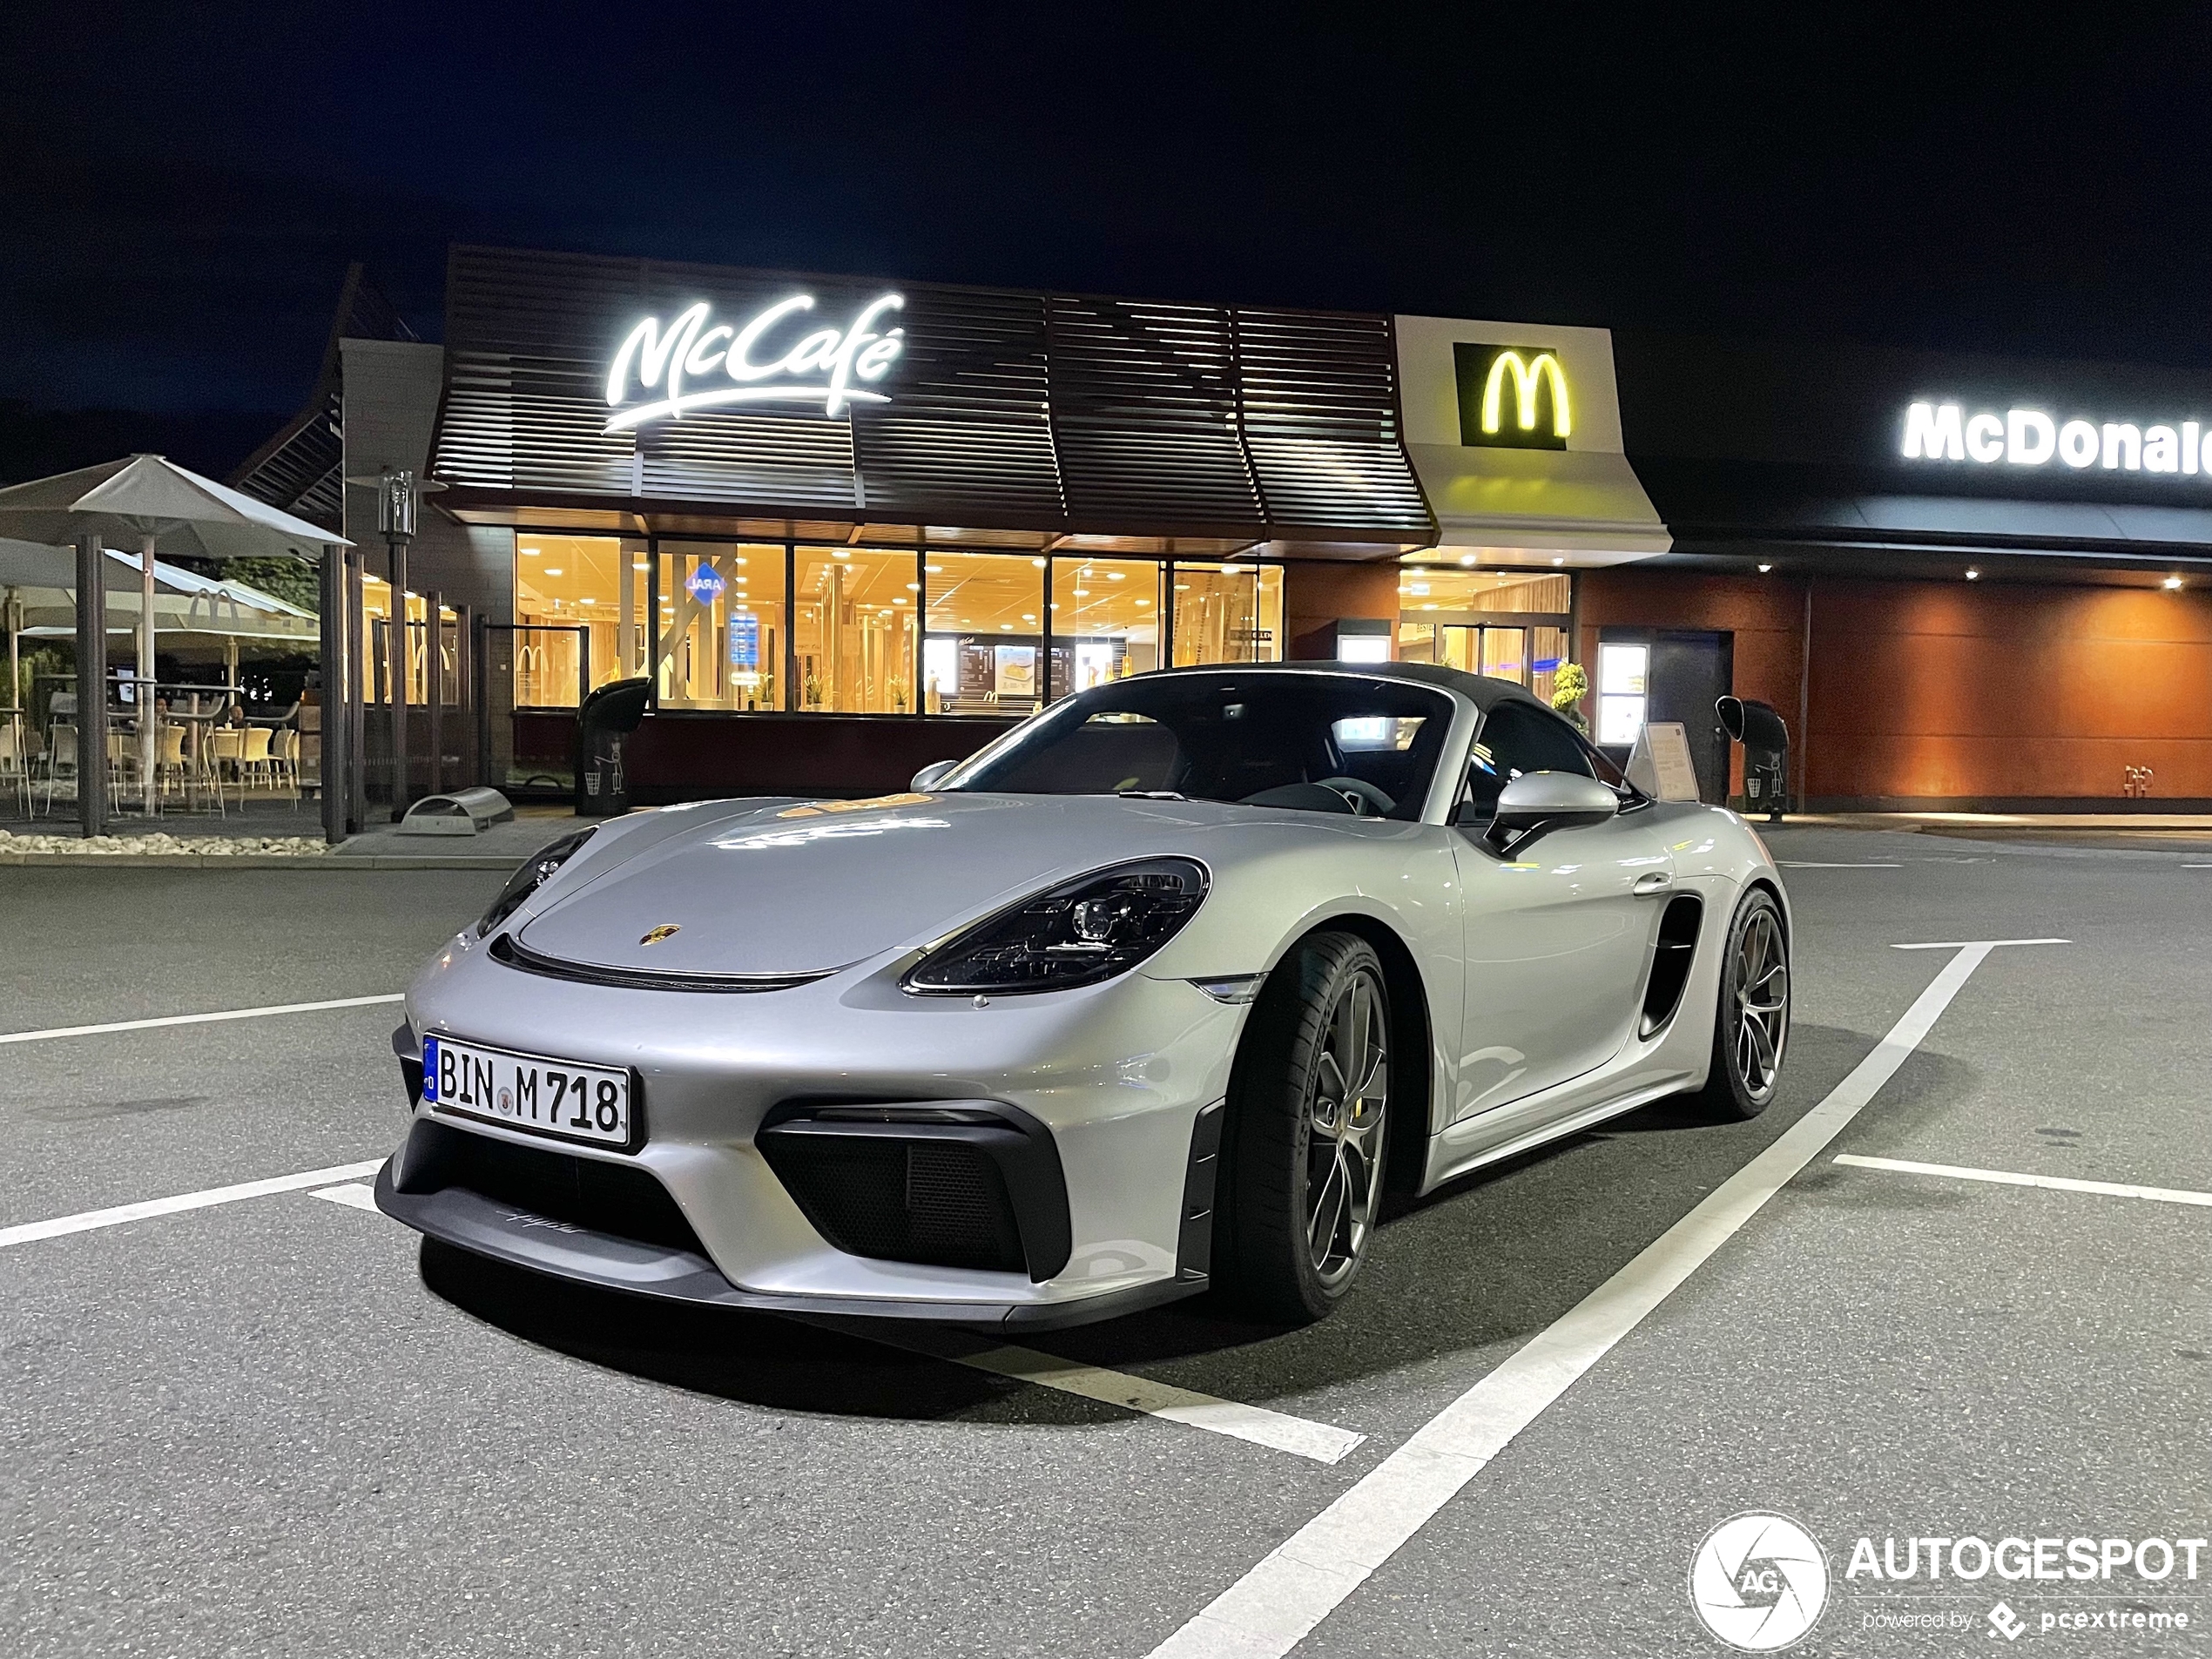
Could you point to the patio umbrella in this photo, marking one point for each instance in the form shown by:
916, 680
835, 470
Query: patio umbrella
165, 507
36, 575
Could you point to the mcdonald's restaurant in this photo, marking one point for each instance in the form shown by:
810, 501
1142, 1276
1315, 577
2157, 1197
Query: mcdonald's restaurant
812, 533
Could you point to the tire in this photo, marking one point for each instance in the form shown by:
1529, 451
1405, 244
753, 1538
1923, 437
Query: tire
1750, 1013
1307, 1155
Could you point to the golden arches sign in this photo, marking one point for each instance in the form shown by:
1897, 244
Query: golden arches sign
1529, 375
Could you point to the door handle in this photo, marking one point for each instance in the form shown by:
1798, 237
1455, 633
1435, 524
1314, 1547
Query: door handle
1652, 881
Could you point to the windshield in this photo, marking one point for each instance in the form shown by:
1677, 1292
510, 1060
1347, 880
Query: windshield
1325, 743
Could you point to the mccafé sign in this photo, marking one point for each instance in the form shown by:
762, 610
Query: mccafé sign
693, 362
2024, 437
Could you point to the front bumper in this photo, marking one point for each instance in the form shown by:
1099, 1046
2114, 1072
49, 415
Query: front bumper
1115, 1078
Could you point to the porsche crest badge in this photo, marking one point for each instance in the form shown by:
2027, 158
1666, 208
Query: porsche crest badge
666, 930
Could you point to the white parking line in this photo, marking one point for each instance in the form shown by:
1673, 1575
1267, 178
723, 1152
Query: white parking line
1322, 1442
1269, 1610
87, 1221
357, 1195
1984, 945
2008, 1178
1808, 864
197, 1019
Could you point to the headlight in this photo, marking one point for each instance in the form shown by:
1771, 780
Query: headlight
1077, 933
537, 871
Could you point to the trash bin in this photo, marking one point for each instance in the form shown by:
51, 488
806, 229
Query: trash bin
1765, 739
608, 716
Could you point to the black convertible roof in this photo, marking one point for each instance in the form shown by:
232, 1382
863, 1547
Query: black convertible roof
1480, 688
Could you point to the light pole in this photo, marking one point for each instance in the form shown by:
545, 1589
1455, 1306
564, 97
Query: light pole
397, 503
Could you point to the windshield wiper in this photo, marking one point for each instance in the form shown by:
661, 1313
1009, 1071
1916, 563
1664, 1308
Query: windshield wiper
1151, 795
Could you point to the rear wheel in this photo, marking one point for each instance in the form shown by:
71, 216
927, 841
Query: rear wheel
1751, 1014
1308, 1119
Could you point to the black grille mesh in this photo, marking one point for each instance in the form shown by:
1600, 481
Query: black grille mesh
936, 1202
618, 1200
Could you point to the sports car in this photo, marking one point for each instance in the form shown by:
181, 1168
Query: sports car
1173, 987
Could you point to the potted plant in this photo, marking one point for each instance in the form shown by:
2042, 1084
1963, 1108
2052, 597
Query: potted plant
1570, 684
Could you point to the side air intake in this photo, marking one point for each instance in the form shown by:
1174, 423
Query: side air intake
1670, 962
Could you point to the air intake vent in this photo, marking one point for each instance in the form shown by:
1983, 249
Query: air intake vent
1670, 962
937, 1203
618, 1200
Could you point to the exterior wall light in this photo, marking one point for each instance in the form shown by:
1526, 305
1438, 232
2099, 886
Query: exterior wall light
1974, 575
2173, 583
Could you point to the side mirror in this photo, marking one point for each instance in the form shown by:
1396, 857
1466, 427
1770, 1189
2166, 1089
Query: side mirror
926, 779
1538, 802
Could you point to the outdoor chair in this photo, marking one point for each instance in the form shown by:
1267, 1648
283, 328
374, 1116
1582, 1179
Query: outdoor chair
15, 764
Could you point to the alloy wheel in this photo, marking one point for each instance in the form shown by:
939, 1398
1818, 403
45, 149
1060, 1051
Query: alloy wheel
1760, 981
1344, 1121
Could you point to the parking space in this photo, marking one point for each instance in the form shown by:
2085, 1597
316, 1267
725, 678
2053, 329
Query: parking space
280, 1424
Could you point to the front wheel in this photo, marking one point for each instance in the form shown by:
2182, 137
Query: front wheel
1308, 1119
1751, 1013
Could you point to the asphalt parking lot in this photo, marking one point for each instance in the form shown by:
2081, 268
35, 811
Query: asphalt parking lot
278, 1424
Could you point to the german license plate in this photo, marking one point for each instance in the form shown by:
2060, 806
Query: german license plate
563, 1098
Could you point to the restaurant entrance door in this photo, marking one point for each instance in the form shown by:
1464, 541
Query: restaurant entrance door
532, 679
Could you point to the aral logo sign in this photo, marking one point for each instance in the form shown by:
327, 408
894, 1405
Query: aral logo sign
2027, 437
770, 357
1513, 397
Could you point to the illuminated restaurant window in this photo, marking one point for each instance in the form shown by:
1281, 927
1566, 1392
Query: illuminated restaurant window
376, 608
1228, 613
1105, 621
718, 640
854, 629
1509, 624
568, 615
985, 633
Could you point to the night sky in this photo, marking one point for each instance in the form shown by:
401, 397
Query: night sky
184, 186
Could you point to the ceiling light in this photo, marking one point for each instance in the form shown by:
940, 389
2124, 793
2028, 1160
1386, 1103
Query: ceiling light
551, 569
1144, 601
1428, 607
587, 602
1083, 593
835, 553
737, 560
933, 569
1763, 568
1182, 587
1467, 559
1038, 562
636, 564
1029, 617
1006, 627
529, 552
914, 587
1558, 562
1973, 576
901, 600
2172, 583
1115, 576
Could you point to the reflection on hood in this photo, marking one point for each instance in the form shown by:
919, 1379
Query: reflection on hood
833, 830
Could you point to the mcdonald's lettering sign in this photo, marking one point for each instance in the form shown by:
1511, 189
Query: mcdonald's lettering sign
1513, 397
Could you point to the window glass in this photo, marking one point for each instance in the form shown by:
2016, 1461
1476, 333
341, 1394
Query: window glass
986, 634
1274, 741
719, 636
1515, 738
1228, 613
1621, 674
853, 626
568, 583
1105, 621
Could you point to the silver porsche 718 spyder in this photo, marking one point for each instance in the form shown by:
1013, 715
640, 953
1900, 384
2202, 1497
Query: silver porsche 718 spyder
1171, 988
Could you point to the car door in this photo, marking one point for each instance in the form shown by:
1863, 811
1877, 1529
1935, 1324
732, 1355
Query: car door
1558, 937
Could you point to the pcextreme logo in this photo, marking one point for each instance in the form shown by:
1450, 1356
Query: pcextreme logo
1512, 397
1758, 1582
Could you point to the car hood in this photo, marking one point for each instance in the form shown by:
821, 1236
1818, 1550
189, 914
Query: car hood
784, 889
